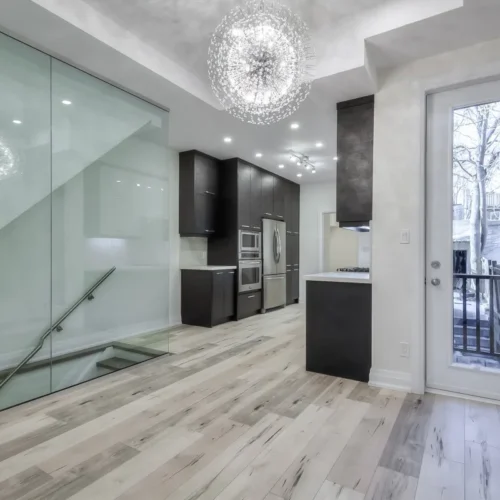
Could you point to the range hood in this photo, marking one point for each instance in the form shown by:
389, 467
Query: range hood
355, 163
360, 227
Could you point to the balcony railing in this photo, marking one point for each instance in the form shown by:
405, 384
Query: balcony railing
476, 314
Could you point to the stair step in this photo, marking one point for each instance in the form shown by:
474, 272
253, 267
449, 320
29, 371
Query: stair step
115, 363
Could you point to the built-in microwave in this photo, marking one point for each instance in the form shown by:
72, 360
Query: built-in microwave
249, 275
249, 245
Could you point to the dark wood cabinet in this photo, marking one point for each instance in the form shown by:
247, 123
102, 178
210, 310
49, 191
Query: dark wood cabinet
295, 284
267, 195
244, 195
207, 297
279, 198
249, 304
292, 267
289, 286
292, 206
198, 194
206, 178
295, 208
256, 200
339, 329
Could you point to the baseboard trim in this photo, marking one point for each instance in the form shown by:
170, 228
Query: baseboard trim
469, 397
388, 379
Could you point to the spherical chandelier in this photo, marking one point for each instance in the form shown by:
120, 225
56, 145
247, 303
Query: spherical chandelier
260, 62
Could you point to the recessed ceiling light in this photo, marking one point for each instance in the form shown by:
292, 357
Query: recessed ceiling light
162, 189
258, 155
149, 187
319, 144
281, 166
313, 172
227, 139
299, 175
138, 185
118, 181
335, 158
294, 126
17, 122
308, 167
66, 102
298, 162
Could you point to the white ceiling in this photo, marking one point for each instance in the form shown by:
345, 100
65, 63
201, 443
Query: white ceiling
157, 48
182, 28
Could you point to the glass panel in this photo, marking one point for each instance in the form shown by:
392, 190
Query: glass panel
476, 235
110, 208
24, 219
248, 240
250, 275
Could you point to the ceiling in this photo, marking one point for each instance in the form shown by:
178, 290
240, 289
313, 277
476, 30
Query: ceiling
158, 48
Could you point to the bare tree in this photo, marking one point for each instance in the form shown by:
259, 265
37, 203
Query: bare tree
476, 151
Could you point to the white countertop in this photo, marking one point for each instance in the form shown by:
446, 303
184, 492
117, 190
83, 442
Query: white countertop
340, 277
208, 268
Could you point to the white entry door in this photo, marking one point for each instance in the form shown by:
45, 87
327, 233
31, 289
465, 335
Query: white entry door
463, 240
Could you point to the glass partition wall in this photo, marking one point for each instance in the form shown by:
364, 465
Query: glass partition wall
84, 183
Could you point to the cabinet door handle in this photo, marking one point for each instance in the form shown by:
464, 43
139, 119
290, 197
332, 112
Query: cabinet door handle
232, 272
210, 192
209, 231
267, 213
219, 273
295, 232
256, 227
288, 270
245, 226
251, 297
280, 216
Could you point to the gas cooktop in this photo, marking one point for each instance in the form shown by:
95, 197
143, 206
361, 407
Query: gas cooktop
353, 269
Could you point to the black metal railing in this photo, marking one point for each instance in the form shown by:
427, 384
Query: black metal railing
476, 327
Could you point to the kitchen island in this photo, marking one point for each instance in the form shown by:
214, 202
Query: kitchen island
338, 324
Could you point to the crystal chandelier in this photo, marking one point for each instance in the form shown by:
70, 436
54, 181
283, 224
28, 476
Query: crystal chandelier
260, 62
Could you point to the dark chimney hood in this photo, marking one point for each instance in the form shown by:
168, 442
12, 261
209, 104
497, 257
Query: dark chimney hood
355, 163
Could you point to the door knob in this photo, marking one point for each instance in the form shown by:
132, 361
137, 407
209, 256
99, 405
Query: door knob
435, 281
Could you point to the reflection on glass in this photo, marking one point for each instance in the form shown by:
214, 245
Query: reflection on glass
73, 153
476, 235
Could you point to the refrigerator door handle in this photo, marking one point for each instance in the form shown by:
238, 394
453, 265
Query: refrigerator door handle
279, 244
275, 245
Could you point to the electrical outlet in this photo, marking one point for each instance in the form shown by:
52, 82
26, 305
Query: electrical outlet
404, 349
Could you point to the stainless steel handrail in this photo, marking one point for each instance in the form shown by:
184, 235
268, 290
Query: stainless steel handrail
57, 325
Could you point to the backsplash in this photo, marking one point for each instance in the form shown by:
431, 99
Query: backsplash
193, 252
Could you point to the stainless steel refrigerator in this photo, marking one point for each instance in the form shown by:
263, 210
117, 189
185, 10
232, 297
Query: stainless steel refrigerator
274, 265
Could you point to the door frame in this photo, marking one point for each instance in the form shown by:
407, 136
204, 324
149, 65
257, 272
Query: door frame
419, 342
462, 368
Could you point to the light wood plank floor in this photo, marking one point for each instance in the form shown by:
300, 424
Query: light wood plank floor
234, 416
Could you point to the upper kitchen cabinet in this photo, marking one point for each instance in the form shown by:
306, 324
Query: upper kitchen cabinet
355, 163
267, 194
256, 200
249, 197
244, 195
198, 194
292, 207
279, 198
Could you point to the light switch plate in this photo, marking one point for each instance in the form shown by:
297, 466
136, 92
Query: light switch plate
405, 236
405, 349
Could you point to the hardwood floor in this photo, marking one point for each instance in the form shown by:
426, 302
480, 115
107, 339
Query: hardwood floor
234, 416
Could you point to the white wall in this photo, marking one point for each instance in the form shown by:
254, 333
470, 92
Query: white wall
315, 199
398, 194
